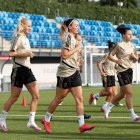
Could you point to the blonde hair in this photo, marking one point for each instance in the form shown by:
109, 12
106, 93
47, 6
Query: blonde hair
20, 26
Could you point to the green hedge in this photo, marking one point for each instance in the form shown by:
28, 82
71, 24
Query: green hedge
83, 10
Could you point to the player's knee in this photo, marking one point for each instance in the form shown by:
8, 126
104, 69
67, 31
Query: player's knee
35, 97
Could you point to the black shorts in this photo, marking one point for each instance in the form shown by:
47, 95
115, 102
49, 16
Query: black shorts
71, 81
21, 76
109, 81
125, 77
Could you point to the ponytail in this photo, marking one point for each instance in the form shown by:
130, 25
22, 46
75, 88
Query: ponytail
110, 44
63, 28
22, 20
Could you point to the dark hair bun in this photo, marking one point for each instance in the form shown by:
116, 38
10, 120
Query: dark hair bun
121, 28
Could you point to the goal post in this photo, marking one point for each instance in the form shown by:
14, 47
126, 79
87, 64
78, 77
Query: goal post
89, 52
91, 75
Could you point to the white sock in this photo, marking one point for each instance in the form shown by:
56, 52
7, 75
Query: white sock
133, 114
109, 106
48, 117
81, 120
3, 115
97, 95
105, 104
32, 117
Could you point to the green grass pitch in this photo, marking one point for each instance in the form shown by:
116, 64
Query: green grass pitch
64, 123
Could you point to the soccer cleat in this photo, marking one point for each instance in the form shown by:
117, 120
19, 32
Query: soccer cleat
91, 98
119, 104
85, 127
47, 126
101, 110
33, 126
136, 118
86, 116
60, 103
3, 126
106, 112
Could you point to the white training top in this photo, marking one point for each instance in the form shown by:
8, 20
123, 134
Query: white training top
22, 45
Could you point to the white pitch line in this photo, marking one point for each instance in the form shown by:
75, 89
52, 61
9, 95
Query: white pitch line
69, 116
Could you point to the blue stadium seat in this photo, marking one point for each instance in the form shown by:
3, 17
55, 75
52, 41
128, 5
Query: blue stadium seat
105, 23
44, 43
104, 39
59, 19
33, 43
84, 32
100, 28
93, 27
93, 39
92, 33
116, 39
48, 30
35, 29
45, 37
7, 27
7, 35
82, 27
135, 41
117, 34
46, 24
54, 37
100, 33
56, 30
52, 24
58, 44
108, 29
108, 34
129, 26
81, 21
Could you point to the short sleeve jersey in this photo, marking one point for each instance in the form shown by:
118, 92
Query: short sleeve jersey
68, 66
123, 51
22, 45
107, 65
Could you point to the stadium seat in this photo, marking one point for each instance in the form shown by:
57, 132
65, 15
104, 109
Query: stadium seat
58, 44
7, 35
48, 30
92, 33
136, 41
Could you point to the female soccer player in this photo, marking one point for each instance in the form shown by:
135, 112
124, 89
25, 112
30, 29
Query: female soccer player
21, 74
125, 52
68, 76
107, 71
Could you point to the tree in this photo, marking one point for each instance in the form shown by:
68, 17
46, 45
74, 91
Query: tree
126, 3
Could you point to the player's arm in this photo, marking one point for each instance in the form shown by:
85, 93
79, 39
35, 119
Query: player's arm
100, 68
13, 53
66, 53
134, 56
112, 57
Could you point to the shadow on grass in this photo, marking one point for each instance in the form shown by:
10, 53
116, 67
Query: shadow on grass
89, 136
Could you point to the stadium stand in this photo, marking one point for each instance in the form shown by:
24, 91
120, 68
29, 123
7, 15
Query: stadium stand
44, 33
